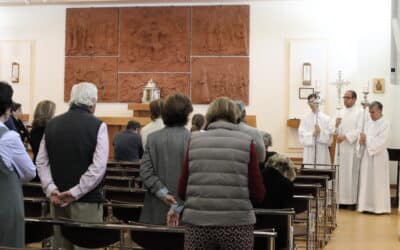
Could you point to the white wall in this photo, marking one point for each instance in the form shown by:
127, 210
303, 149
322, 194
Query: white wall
359, 43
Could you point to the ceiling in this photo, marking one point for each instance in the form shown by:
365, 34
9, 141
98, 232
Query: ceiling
48, 2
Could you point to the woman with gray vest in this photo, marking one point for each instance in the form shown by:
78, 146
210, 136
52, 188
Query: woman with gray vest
15, 166
219, 181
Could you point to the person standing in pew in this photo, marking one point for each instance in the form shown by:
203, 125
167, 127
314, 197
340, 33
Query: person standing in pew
16, 113
156, 121
15, 166
278, 175
44, 112
128, 143
254, 133
162, 159
220, 179
72, 161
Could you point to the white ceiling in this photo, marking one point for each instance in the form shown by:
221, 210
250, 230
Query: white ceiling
47, 2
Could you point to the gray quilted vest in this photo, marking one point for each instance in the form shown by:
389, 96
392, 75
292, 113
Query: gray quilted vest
217, 191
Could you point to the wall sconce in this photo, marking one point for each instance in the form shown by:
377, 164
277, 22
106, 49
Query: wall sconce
307, 73
15, 72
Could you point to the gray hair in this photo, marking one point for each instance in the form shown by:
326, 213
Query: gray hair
241, 107
84, 93
267, 138
283, 164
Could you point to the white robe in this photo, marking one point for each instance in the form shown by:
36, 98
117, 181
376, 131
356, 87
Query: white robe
306, 138
346, 154
374, 190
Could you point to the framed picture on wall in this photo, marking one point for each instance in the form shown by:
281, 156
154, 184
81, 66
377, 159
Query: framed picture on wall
305, 92
379, 85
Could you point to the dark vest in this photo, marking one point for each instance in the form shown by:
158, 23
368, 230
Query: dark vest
71, 140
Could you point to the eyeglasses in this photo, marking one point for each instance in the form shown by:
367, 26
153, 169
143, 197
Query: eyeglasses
347, 97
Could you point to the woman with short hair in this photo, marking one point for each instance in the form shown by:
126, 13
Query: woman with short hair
198, 122
162, 159
15, 166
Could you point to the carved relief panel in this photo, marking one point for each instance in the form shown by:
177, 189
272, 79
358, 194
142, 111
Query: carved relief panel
224, 76
220, 30
101, 71
92, 31
154, 39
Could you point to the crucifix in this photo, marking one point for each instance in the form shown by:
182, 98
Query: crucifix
340, 82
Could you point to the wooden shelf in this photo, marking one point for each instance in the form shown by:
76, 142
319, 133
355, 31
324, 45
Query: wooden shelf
293, 123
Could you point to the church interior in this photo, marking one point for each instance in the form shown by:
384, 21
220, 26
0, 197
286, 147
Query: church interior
272, 55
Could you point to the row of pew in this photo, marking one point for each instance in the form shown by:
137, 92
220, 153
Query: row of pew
308, 225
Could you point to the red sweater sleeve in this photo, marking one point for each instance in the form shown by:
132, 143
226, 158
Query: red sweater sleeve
183, 179
256, 185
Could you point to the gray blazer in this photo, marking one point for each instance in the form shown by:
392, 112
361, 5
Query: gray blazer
162, 162
257, 137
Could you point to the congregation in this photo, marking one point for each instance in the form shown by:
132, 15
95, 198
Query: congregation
209, 178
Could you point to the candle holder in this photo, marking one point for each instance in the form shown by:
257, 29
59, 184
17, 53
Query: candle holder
150, 92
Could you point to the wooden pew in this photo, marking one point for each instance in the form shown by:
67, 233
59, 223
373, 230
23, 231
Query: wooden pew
331, 173
131, 164
124, 212
323, 181
120, 194
303, 205
96, 235
281, 220
33, 189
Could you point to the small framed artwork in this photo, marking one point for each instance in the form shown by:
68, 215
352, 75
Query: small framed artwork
15, 72
305, 92
306, 73
378, 85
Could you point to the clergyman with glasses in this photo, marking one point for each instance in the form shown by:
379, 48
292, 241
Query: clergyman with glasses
348, 127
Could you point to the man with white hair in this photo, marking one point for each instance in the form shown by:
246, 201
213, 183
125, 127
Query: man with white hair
72, 161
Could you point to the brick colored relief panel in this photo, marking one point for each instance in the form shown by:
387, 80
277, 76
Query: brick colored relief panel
130, 86
154, 39
220, 30
92, 31
101, 71
214, 77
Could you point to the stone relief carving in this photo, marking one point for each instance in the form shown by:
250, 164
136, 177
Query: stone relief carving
155, 42
214, 77
220, 30
154, 39
92, 31
101, 71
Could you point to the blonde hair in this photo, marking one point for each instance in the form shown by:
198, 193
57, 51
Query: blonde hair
44, 111
222, 108
283, 164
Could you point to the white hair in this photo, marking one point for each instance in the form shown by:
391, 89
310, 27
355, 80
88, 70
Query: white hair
84, 93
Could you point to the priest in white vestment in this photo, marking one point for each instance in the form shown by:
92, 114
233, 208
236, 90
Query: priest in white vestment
348, 126
374, 193
320, 132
